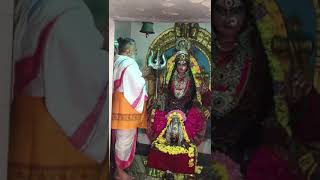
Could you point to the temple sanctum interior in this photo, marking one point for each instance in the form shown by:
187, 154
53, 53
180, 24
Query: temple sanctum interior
167, 89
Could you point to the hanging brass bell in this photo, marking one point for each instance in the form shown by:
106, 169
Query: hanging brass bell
147, 28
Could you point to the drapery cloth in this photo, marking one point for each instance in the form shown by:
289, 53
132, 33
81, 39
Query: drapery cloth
39, 149
129, 95
127, 78
125, 147
128, 108
58, 55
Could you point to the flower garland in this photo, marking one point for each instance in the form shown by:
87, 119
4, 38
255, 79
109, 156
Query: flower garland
221, 171
170, 66
177, 176
270, 24
196, 73
225, 168
161, 143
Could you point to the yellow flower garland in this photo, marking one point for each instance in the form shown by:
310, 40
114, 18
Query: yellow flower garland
161, 143
269, 26
198, 169
221, 171
177, 176
170, 66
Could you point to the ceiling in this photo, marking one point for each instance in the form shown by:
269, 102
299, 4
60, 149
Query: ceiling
161, 10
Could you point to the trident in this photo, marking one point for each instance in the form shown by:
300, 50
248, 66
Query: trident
157, 64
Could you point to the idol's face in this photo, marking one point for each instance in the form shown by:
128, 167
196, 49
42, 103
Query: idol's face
182, 66
228, 17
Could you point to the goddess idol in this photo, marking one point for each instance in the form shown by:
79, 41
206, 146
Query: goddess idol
178, 114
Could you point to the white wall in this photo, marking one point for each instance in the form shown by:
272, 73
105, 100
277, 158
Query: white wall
143, 43
122, 29
6, 21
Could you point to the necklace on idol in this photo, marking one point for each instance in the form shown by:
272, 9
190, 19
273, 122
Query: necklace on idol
180, 84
